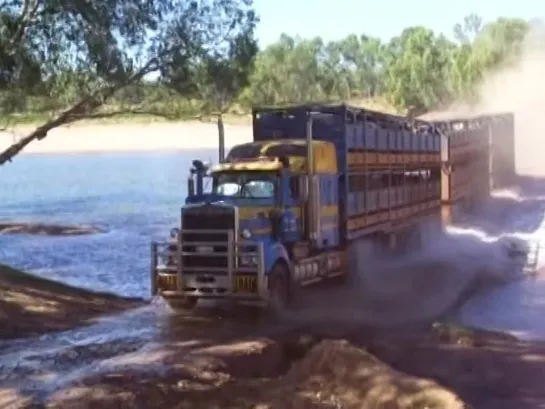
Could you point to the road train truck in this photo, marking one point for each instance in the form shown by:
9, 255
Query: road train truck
281, 211
477, 155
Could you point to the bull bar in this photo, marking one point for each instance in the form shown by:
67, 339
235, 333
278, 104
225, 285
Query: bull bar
221, 284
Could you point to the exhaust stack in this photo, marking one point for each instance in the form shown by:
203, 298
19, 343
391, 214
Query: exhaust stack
221, 139
313, 200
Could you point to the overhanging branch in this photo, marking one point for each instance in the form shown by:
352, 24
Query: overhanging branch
143, 112
83, 109
28, 13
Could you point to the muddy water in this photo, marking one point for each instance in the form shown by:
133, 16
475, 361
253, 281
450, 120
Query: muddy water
139, 341
39, 366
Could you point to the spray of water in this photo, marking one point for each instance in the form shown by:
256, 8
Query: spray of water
518, 88
424, 284
427, 283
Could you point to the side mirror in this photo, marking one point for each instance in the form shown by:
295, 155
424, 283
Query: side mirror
190, 185
174, 233
200, 166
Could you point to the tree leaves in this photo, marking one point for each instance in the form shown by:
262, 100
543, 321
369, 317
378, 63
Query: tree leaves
418, 69
77, 55
97, 48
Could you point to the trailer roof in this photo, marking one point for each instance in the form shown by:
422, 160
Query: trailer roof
454, 116
336, 107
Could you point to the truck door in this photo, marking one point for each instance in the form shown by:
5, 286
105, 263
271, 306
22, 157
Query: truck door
295, 208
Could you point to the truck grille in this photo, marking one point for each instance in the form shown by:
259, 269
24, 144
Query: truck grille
207, 217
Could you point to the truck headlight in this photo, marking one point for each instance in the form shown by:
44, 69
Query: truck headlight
248, 260
174, 233
246, 233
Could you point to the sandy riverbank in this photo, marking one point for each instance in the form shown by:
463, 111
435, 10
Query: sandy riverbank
129, 137
42, 229
31, 305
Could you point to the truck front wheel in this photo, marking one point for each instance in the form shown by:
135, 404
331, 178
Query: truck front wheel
278, 284
182, 304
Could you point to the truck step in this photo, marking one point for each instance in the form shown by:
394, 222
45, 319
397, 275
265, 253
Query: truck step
532, 258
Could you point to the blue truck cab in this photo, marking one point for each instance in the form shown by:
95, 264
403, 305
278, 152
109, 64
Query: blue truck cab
283, 208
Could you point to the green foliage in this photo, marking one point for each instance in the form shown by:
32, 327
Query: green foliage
66, 50
217, 70
70, 60
417, 71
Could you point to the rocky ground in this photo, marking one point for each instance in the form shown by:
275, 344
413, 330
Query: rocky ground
46, 229
206, 360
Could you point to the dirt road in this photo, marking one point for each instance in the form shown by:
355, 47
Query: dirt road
220, 363
148, 358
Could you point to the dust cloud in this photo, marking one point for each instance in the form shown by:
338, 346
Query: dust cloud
426, 284
418, 286
520, 89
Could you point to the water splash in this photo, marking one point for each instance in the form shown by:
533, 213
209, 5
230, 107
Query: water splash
41, 365
519, 307
426, 284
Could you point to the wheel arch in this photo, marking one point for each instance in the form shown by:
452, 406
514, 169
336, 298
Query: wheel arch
279, 254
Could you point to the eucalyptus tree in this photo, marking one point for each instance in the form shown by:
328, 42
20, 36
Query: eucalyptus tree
419, 69
290, 70
80, 56
103, 46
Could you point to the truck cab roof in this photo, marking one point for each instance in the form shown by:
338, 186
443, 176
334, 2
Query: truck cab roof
267, 156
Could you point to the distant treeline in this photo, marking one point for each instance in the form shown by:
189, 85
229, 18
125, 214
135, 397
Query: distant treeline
418, 70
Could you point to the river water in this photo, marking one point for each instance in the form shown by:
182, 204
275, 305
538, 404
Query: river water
137, 198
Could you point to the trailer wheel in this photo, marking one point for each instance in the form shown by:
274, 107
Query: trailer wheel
278, 284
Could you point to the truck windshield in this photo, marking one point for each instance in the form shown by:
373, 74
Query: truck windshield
249, 185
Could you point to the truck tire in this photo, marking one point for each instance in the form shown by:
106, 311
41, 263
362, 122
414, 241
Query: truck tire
341, 280
182, 304
279, 290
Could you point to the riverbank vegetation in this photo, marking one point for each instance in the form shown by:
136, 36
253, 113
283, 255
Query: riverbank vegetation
176, 60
